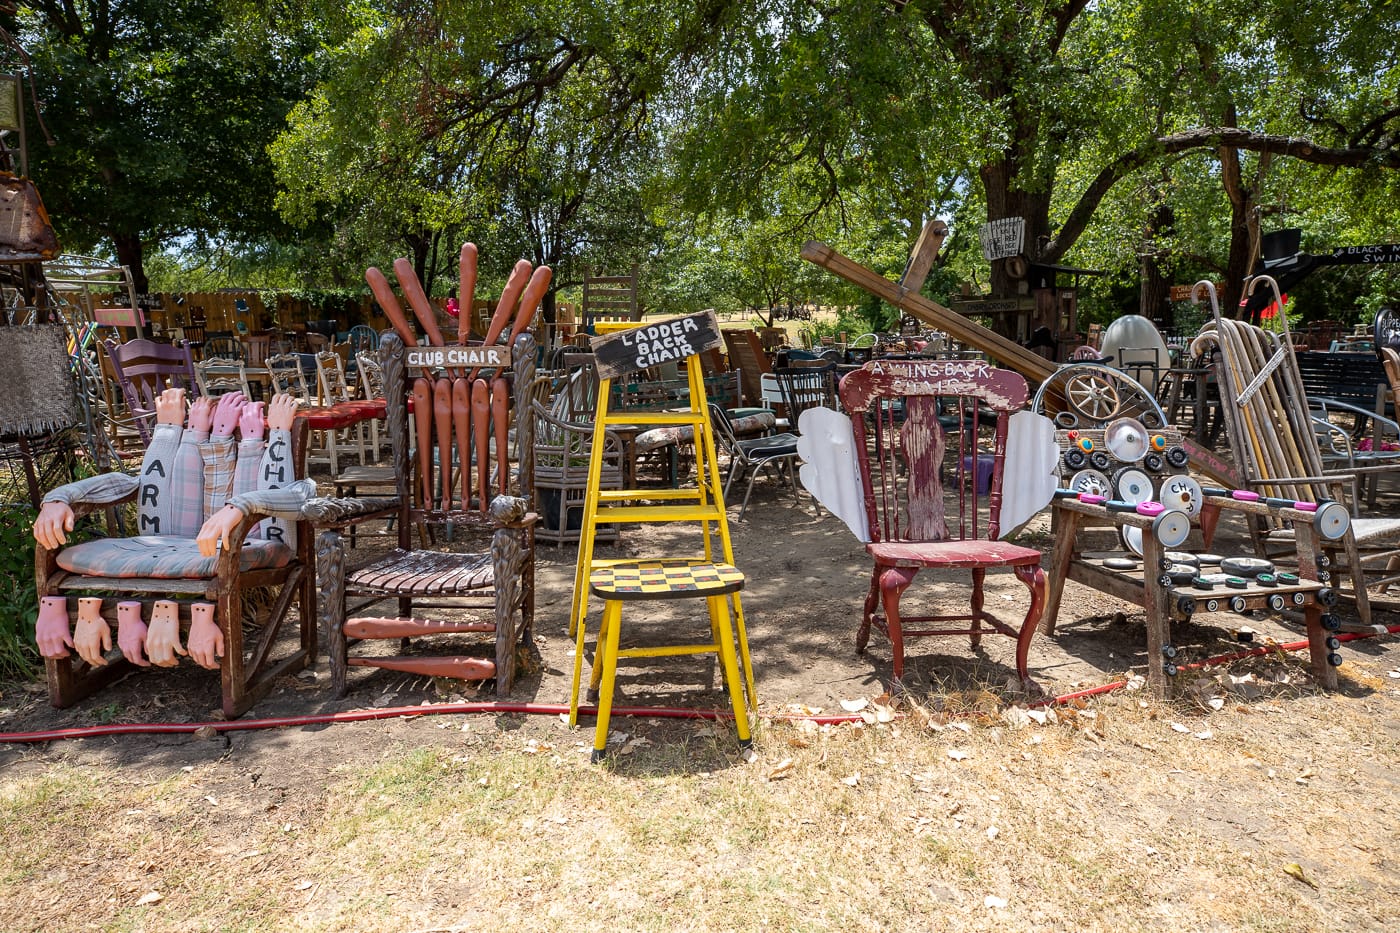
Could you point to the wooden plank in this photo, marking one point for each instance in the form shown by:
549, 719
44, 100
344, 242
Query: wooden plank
1012, 355
925, 252
626, 351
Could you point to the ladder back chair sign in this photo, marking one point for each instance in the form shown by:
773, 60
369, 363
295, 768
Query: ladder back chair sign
1276, 445
905, 413
144, 369
709, 575
472, 410
219, 517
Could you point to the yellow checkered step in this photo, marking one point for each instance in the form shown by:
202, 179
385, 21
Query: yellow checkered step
677, 578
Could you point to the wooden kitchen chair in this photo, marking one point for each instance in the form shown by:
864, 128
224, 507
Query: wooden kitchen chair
900, 413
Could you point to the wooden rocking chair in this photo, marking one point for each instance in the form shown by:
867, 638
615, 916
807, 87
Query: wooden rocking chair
483, 508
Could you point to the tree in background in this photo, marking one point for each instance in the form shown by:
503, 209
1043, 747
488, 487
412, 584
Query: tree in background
160, 111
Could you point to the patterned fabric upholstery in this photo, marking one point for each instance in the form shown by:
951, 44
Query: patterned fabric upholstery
163, 557
757, 423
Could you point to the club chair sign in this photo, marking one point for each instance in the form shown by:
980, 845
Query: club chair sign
457, 357
653, 344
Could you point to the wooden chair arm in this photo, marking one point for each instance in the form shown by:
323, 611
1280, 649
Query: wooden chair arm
328, 511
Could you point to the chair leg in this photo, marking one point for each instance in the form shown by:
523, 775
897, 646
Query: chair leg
872, 602
612, 623
1035, 579
979, 579
893, 582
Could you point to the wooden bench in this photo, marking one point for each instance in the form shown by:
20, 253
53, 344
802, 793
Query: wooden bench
1355, 378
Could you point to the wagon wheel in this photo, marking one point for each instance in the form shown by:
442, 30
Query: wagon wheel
1092, 395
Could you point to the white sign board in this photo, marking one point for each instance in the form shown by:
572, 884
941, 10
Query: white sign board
1002, 239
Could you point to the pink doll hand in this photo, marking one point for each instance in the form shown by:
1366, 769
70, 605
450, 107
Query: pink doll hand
227, 412
202, 415
163, 636
55, 519
131, 633
51, 629
251, 424
206, 641
216, 529
282, 412
91, 637
170, 407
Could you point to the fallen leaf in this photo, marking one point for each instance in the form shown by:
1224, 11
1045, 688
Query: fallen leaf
1294, 870
1040, 716
1178, 727
781, 770
854, 706
155, 897
958, 754
851, 781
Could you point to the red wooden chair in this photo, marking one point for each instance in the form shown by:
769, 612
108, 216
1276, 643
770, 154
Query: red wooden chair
916, 423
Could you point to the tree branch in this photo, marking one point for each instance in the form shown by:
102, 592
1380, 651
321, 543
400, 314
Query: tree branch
1208, 137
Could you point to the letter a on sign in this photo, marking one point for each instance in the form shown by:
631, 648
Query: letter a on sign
622, 352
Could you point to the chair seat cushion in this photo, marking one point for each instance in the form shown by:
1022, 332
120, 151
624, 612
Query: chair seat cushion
951, 554
163, 557
779, 445
758, 421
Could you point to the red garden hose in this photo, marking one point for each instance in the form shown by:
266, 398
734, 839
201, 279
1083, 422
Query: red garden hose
556, 709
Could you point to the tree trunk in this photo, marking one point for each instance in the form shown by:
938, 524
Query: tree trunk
1005, 199
130, 254
1153, 297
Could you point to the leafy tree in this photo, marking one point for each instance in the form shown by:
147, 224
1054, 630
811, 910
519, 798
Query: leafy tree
160, 111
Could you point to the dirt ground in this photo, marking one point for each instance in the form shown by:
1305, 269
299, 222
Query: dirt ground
807, 577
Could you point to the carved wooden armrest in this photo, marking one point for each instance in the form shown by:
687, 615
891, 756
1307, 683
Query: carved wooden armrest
327, 511
512, 512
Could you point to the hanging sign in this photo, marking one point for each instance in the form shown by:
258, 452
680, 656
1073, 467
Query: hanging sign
119, 317
476, 357
627, 351
1002, 239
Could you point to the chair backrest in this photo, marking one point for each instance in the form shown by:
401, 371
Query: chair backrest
371, 373
505, 428
610, 298
219, 377
1390, 359
330, 378
919, 424
144, 369
746, 354
224, 348
362, 337
257, 348
804, 387
287, 374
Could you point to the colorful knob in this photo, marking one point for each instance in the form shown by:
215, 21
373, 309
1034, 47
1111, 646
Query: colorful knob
1158, 442
1085, 444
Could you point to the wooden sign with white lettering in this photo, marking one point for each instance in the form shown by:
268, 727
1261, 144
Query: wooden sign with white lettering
627, 351
457, 357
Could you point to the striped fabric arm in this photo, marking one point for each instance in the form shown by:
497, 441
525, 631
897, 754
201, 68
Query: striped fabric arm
284, 503
95, 490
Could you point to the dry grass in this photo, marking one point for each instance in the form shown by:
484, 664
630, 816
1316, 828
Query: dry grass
1099, 818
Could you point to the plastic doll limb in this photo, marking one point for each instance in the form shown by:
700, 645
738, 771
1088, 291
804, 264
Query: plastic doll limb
131, 633
51, 629
163, 635
202, 415
250, 423
216, 528
92, 636
226, 414
53, 523
206, 641
282, 412
170, 407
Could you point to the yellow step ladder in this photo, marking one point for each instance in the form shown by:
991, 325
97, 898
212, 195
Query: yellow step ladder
621, 348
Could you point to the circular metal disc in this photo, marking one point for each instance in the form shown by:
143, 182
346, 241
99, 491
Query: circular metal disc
1332, 521
1246, 566
1132, 537
1091, 481
1133, 486
1171, 528
1122, 563
1184, 493
1126, 439
1183, 557
1209, 560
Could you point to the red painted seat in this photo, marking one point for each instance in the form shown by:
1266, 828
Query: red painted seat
915, 423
